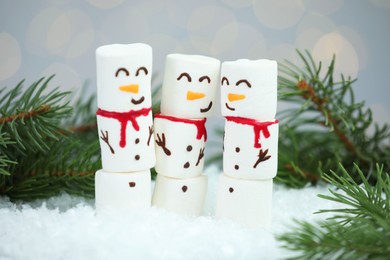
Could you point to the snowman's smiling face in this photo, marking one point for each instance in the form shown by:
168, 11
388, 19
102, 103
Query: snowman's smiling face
124, 77
132, 88
233, 97
248, 89
190, 83
192, 95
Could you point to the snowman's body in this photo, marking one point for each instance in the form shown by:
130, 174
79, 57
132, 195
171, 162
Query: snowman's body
250, 152
188, 93
183, 156
248, 102
131, 146
125, 126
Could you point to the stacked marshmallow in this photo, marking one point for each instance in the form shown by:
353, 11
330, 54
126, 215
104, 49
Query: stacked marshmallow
125, 126
248, 102
188, 92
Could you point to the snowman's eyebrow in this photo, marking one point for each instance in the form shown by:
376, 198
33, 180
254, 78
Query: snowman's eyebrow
140, 69
185, 74
205, 77
121, 69
225, 79
244, 81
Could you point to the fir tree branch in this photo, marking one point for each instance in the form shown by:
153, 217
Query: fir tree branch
308, 92
83, 128
324, 125
55, 150
31, 117
25, 115
359, 230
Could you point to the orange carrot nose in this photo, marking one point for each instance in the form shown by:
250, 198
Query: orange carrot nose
194, 95
133, 88
235, 97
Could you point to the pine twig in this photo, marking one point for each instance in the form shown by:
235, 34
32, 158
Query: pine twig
359, 230
44, 147
25, 115
324, 125
308, 92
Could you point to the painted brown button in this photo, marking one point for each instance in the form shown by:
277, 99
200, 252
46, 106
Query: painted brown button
187, 165
137, 157
237, 149
231, 189
137, 140
184, 188
189, 148
236, 167
132, 184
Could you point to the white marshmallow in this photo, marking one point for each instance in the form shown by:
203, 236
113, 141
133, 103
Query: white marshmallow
183, 196
138, 153
124, 73
240, 156
183, 153
186, 90
248, 202
122, 191
257, 101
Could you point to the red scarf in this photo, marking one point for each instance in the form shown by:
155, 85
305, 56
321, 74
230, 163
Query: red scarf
200, 124
258, 127
123, 118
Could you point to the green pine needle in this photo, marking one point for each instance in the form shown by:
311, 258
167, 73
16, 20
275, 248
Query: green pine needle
359, 230
45, 147
324, 125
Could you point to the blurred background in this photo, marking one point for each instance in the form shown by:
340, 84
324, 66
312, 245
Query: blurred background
45, 37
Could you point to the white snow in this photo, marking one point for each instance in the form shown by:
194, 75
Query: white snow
67, 227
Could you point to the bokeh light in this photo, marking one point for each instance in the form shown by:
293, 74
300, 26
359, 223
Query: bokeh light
104, 4
65, 33
278, 14
347, 61
10, 56
205, 22
323, 7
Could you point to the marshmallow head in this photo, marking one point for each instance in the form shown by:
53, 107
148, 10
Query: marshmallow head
249, 89
190, 83
124, 73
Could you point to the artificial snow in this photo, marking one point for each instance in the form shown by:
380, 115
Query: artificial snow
67, 227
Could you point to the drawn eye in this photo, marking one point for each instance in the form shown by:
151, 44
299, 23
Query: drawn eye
244, 81
145, 70
185, 74
224, 79
205, 78
123, 70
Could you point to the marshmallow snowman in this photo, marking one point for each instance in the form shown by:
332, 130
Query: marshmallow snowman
248, 102
125, 124
188, 93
